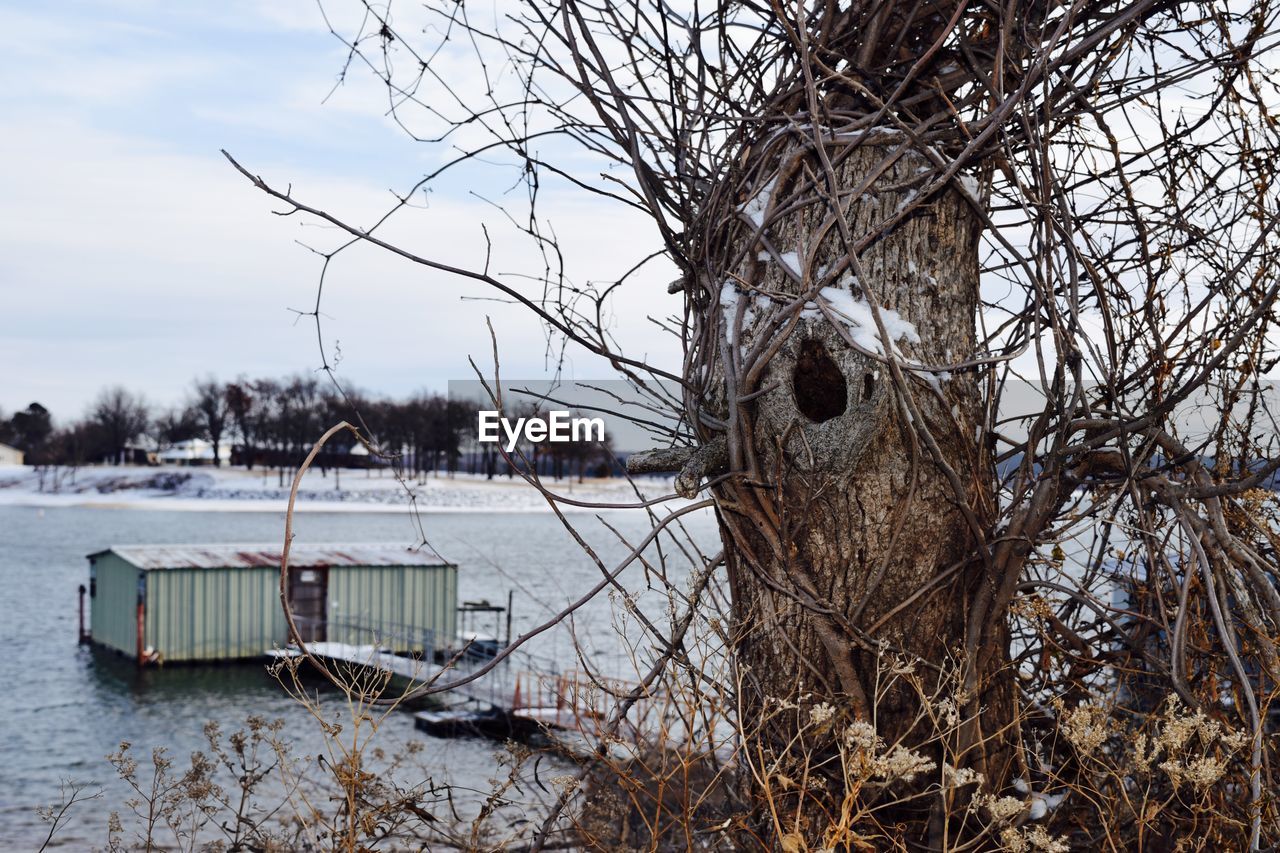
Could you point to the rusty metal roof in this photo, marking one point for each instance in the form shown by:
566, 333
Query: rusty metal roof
268, 556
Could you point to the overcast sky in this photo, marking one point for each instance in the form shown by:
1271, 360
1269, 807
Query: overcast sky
131, 253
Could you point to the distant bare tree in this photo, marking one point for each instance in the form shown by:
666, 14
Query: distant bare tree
212, 404
240, 408
175, 424
28, 430
119, 417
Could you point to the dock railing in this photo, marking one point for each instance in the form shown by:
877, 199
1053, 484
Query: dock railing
572, 699
523, 683
395, 637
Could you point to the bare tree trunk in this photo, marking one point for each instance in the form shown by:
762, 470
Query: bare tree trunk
854, 535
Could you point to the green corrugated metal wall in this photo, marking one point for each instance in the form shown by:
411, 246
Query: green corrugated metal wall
113, 609
213, 614
220, 614
431, 598
395, 601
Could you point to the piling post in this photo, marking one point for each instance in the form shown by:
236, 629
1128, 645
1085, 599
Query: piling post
510, 600
142, 623
83, 637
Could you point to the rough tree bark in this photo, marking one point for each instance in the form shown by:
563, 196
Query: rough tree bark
856, 529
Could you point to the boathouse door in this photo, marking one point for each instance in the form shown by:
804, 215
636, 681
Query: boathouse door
309, 600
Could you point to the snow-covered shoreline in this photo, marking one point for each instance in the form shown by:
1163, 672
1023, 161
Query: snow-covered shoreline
236, 490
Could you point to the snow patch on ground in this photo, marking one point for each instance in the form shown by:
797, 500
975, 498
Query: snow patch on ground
236, 490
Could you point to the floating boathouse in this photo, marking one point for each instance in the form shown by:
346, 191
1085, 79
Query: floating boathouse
191, 603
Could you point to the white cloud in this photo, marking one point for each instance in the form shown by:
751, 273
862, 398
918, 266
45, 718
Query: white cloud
127, 263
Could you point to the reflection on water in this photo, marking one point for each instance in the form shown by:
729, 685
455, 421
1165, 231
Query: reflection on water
64, 708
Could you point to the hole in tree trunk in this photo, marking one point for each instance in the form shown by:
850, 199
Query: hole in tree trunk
868, 385
820, 389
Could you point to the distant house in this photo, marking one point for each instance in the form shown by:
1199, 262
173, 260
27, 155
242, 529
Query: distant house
142, 450
11, 455
194, 451
222, 602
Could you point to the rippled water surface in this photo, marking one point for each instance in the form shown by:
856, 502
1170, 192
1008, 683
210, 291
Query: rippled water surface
63, 709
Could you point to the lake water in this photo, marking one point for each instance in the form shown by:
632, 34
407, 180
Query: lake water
63, 709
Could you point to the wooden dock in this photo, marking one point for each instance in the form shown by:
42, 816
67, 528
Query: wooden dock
520, 696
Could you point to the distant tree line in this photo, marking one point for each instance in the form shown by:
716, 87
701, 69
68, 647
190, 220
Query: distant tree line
271, 424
